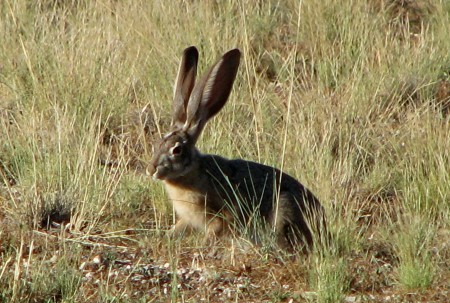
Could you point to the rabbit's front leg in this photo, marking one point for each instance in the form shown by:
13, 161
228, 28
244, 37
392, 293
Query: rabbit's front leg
180, 228
219, 225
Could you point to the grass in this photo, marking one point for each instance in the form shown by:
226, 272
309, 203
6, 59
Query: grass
416, 268
350, 97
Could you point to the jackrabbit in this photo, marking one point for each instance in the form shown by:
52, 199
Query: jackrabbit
215, 194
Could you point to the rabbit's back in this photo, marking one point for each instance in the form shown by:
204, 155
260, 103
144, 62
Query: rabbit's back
253, 181
251, 187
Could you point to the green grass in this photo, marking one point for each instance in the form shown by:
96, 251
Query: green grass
417, 265
330, 279
350, 97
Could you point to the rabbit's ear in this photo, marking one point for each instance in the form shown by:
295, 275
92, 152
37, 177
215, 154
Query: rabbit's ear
184, 85
211, 93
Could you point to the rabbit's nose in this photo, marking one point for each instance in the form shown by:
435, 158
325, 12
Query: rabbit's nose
150, 170
154, 173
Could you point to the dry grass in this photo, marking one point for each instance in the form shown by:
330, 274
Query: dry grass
351, 97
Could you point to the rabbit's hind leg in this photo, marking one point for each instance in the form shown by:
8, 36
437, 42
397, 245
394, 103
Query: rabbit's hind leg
292, 231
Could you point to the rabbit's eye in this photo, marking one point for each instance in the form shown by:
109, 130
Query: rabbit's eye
176, 150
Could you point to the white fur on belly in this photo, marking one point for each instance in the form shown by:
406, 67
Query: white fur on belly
189, 205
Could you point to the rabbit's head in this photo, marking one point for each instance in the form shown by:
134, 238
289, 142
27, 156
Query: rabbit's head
193, 105
174, 156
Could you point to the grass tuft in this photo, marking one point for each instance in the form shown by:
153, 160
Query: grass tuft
417, 267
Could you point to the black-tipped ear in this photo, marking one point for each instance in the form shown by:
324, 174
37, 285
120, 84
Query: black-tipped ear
219, 82
212, 92
184, 84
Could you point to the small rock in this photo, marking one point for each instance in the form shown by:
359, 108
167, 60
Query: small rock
97, 259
